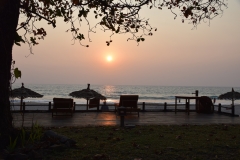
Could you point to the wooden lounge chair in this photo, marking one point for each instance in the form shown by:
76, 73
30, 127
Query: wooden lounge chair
129, 102
65, 106
94, 103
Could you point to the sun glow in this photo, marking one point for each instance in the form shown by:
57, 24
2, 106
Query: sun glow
109, 58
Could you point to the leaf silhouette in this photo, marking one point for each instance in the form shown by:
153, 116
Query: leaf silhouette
17, 73
158, 152
99, 156
135, 145
178, 137
233, 137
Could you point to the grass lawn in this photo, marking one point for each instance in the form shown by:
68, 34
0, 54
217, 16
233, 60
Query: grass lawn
153, 142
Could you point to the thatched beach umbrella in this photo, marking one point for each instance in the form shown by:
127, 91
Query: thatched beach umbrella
87, 94
230, 96
23, 92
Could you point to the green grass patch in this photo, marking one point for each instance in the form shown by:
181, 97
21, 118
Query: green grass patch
186, 142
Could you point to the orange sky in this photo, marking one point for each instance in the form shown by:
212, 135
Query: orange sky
175, 55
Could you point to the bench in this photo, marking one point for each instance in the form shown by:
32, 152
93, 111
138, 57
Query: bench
63, 105
129, 102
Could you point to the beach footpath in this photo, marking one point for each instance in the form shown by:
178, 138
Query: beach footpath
110, 118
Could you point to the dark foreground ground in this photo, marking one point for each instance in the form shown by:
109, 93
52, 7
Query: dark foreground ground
152, 142
151, 136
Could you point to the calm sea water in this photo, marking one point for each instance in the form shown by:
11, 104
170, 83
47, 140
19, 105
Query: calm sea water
148, 94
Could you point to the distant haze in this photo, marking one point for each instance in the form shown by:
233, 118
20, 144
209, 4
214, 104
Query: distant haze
175, 55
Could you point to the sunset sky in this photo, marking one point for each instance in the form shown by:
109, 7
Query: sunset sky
176, 55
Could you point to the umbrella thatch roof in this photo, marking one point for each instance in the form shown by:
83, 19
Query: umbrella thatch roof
24, 93
87, 94
230, 95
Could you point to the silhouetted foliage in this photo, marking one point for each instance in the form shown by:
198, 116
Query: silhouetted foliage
117, 16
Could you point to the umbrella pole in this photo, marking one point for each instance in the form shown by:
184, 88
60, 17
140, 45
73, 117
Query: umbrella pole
233, 96
87, 105
21, 103
21, 109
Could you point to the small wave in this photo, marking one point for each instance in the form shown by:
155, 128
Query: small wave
155, 94
160, 98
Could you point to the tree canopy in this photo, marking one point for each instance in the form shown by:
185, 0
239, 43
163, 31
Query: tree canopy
116, 16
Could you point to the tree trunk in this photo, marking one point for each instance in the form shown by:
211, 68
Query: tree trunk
9, 13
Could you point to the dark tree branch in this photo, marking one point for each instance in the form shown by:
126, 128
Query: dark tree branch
29, 11
25, 24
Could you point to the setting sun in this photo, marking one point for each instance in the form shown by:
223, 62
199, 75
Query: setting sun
109, 58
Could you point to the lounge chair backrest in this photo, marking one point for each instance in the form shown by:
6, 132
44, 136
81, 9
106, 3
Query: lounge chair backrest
62, 103
128, 101
205, 105
206, 101
93, 103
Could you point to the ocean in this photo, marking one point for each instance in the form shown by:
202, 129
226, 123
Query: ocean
147, 94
